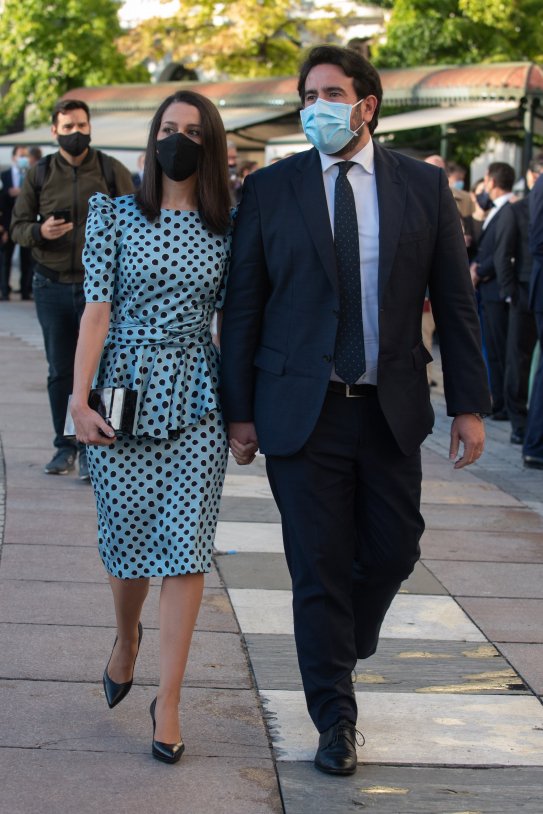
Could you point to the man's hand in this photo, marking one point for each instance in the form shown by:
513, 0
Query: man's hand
475, 279
243, 441
52, 229
470, 430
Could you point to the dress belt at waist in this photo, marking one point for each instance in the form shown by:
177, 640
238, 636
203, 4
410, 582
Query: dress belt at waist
352, 391
133, 334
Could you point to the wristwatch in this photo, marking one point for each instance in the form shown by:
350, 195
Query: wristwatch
480, 416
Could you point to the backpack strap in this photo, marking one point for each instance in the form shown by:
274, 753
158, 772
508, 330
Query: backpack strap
106, 166
42, 168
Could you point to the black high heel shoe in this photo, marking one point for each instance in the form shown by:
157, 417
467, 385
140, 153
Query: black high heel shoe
167, 752
116, 692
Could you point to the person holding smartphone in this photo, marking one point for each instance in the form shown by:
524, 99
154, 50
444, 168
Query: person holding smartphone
49, 217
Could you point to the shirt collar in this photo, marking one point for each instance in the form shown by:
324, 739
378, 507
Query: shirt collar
499, 202
364, 157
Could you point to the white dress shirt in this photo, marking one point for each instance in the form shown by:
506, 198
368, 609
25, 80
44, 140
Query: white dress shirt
362, 179
498, 203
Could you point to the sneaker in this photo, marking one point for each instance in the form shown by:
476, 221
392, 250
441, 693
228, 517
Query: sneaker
62, 462
83, 466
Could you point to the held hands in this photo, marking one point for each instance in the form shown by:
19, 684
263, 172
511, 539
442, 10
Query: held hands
243, 441
53, 228
90, 427
470, 430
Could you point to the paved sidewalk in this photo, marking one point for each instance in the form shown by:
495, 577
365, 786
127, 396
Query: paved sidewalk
450, 705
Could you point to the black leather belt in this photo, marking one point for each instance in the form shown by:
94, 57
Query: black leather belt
353, 391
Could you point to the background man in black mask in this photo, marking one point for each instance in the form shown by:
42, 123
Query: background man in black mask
49, 217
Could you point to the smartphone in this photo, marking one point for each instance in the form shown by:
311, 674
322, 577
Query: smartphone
62, 214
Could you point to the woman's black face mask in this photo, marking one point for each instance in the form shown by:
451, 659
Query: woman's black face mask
178, 156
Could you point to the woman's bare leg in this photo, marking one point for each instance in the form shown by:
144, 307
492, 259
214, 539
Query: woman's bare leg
180, 599
128, 597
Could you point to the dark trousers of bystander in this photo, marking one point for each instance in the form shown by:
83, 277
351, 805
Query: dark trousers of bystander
533, 440
521, 341
59, 307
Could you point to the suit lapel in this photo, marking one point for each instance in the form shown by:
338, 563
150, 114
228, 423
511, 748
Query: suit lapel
308, 188
391, 196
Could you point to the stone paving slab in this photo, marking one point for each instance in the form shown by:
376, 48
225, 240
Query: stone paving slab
464, 494
255, 537
269, 572
432, 729
490, 579
92, 783
251, 510
468, 518
398, 666
483, 546
89, 605
215, 722
528, 660
506, 620
409, 616
413, 790
48, 504
81, 653
53, 562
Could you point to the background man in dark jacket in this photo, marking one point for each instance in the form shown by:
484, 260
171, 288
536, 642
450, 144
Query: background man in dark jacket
12, 181
324, 368
533, 440
50, 216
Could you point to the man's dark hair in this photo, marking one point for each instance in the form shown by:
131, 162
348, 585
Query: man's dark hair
536, 164
17, 147
365, 78
66, 105
453, 167
502, 174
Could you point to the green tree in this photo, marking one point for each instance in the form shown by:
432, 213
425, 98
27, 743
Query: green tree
434, 32
236, 38
50, 47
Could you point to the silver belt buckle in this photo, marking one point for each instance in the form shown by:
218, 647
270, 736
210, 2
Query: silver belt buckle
350, 395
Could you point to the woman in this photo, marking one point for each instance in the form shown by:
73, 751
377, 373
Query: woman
155, 273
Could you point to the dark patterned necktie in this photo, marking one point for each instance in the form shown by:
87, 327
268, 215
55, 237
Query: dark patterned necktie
350, 359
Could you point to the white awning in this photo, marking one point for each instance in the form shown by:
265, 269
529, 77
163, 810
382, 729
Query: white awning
128, 130
431, 116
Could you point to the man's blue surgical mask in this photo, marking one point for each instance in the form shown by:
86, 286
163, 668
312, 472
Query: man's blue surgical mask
458, 184
327, 125
22, 162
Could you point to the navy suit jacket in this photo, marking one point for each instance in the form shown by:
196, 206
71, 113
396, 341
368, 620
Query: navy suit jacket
282, 303
536, 245
489, 287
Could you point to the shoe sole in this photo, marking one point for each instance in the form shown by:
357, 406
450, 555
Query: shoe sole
341, 772
84, 477
57, 471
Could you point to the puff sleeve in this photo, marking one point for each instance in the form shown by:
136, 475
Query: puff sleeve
100, 252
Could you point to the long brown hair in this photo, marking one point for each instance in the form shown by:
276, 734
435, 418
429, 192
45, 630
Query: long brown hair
212, 189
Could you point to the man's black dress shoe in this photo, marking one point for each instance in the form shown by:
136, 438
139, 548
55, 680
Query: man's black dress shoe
532, 462
517, 437
337, 749
116, 692
166, 752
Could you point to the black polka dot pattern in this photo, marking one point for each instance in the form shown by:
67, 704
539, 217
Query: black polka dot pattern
158, 492
350, 360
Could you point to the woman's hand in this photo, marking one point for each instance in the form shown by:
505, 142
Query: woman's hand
90, 427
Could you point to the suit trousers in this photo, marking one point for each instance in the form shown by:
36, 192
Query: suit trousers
521, 341
495, 322
350, 510
533, 439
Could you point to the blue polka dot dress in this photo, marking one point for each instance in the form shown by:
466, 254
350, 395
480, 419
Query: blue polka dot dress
158, 491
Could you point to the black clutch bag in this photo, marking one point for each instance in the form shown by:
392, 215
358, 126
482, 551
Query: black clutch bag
116, 405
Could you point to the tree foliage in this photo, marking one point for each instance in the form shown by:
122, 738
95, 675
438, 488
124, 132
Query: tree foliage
236, 38
50, 47
433, 32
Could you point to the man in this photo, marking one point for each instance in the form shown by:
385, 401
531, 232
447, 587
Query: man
233, 172
323, 367
498, 191
49, 217
12, 181
457, 180
137, 177
513, 264
533, 441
